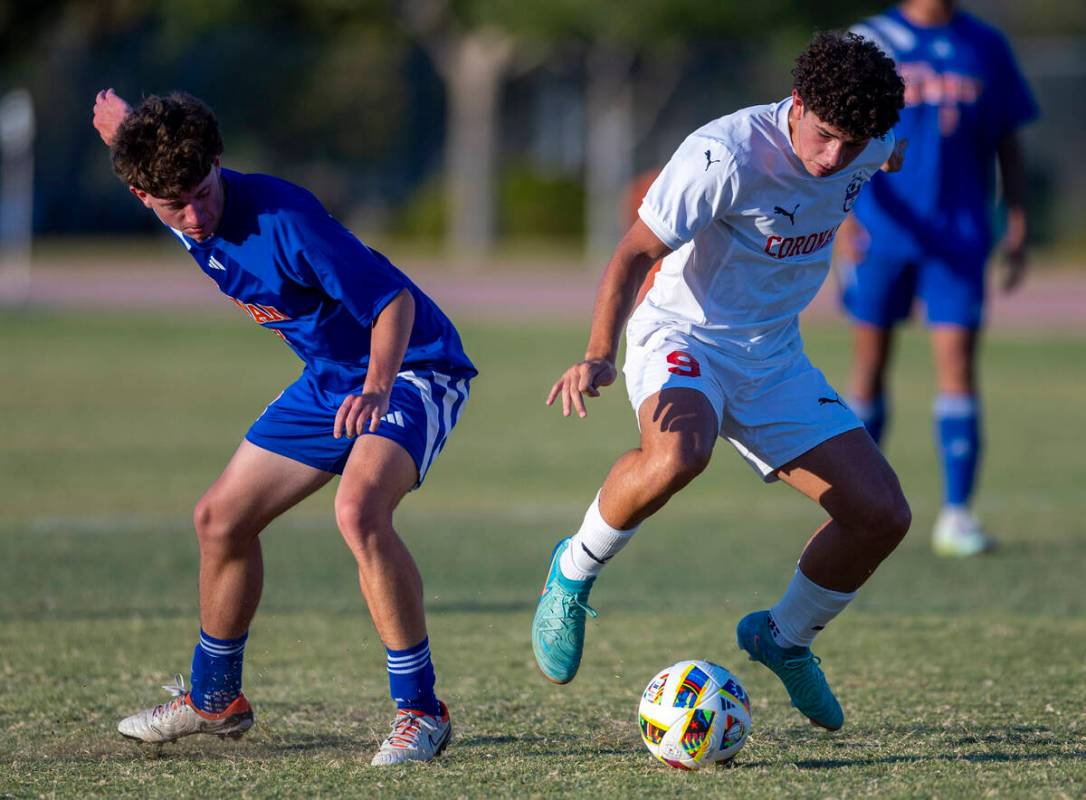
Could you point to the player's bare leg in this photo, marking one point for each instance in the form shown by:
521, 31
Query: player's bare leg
869, 516
678, 431
871, 354
957, 419
954, 349
255, 487
378, 474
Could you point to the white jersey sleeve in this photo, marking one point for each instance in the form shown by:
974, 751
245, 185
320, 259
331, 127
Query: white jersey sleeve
750, 230
698, 184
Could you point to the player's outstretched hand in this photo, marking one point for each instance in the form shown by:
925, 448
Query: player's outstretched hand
584, 377
897, 158
110, 109
359, 412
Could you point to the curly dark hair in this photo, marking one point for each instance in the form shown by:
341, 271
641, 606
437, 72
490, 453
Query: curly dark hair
167, 145
849, 83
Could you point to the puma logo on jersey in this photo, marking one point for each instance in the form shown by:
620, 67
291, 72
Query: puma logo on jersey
213, 263
790, 214
709, 160
825, 401
393, 418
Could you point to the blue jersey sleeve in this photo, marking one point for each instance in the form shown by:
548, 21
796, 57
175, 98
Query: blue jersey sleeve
328, 256
1009, 99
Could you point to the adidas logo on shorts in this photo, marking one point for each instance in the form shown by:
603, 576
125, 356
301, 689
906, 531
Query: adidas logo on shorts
393, 418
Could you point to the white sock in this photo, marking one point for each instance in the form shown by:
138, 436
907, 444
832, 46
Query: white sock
804, 610
593, 545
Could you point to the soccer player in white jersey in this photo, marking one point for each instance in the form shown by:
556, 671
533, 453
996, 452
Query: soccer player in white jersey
743, 215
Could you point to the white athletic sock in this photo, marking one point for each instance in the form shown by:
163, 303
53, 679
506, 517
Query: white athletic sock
804, 610
593, 545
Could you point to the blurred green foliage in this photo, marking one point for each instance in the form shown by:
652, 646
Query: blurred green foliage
535, 203
344, 97
531, 203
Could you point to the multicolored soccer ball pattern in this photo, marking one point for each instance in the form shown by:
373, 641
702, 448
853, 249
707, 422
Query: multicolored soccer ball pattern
694, 713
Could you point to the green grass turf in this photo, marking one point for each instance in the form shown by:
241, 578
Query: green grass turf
959, 679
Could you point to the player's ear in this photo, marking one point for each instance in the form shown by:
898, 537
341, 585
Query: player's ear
141, 195
797, 102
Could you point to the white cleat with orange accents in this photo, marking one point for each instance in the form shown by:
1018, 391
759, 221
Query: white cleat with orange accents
415, 736
179, 717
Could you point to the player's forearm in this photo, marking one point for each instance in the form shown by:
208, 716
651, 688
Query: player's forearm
614, 301
388, 343
1012, 173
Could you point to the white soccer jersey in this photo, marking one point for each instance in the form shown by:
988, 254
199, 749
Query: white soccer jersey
751, 232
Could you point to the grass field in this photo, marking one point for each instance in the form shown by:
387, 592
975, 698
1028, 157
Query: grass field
963, 679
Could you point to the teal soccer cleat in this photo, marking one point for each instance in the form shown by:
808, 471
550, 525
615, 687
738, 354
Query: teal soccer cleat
797, 667
558, 627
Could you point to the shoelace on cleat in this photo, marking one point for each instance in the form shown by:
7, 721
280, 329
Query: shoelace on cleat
405, 730
809, 676
569, 602
178, 690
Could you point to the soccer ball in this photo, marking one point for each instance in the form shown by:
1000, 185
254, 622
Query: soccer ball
694, 713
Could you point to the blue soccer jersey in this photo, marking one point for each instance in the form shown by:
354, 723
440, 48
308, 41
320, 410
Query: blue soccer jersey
285, 261
963, 93
288, 264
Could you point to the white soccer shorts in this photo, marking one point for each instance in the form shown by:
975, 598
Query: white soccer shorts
771, 411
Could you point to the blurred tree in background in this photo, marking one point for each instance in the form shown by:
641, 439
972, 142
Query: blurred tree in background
468, 119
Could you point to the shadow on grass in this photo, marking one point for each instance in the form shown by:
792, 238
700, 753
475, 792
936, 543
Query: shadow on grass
544, 746
973, 758
527, 746
339, 746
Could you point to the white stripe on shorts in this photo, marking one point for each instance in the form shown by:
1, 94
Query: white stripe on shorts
432, 420
450, 399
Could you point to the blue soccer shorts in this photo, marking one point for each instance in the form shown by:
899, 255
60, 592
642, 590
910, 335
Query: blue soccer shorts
881, 289
423, 409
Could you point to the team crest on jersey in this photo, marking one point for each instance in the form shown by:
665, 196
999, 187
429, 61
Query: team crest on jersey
852, 191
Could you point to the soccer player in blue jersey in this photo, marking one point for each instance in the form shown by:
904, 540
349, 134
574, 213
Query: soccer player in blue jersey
384, 381
925, 231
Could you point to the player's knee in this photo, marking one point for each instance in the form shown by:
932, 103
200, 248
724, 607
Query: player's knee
885, 517
362, 521
673, 468
899, 518
215, 528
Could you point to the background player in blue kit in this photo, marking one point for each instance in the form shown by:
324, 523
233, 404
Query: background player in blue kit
926, 231
384, 382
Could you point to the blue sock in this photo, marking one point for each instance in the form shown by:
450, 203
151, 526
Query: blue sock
873, 414
411, 678
216, 672
957, 427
